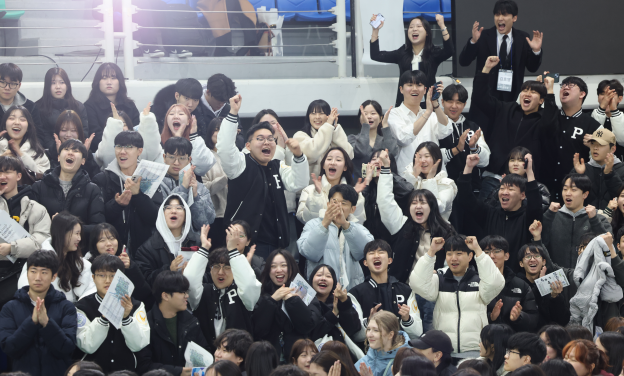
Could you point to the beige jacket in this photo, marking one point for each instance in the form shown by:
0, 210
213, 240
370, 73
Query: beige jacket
38, 227
39, 165
217, 183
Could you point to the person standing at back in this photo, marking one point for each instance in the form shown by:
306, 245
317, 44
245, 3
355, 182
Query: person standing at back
215, 102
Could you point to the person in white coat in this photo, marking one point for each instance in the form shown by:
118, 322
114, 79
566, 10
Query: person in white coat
19, 137
426, 173
336, 239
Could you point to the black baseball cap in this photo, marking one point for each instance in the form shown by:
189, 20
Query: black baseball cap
436, 339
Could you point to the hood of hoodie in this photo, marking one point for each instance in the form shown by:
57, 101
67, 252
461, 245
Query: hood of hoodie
173, 244
593, 163
52, 296
381, 354
564, 209
22, 191
19, 100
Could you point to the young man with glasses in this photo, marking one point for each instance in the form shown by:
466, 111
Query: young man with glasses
10, 83
112, 348
515, 305
523, 349
257, 181
227, 302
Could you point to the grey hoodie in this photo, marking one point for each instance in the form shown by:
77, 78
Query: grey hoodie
202, 209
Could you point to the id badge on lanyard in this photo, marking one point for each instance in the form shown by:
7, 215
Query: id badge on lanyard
505, 78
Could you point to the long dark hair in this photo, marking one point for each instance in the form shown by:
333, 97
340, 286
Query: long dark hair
418, 365
213, 126
261, 359
268, 287
377, 107
261, 114
613, 342
45, 102
31, 132
435, 152
348, 175
343, 353
70, 116
94, 238
71, 264
517, 152
105, 70
496, 335
330, 297
225, 368
438, 226
326, 359
557, 336
617, 219
393, 165
427, 49
318, 105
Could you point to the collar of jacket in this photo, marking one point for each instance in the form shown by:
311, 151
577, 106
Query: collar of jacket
52, 177
577, 114
564, 209
371, 281
593, 163
184, 317
470, 272
508, 274
326, 185
514, 214
52, 296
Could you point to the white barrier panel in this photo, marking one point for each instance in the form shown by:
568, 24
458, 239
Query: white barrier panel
391, 36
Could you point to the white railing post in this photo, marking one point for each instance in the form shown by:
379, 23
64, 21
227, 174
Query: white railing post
359, 47
341, 38
128, 28
109, 31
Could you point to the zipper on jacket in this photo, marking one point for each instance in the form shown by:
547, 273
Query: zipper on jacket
458, 318
234, 215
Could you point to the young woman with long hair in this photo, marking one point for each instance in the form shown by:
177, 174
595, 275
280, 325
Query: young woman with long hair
302, 352
69, 126
384, 338
19, 135
555, 337
493, 345
586, 358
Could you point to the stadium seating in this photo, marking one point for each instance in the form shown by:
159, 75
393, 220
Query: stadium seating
292, 9
421, 6
10, 15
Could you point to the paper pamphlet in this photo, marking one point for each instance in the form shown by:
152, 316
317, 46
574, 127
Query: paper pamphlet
197, 356
543, 284
111, 307
187, 256
151, 174
190, 198
10, 231
302, 290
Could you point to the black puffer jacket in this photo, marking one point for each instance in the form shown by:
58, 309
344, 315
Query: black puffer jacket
516, 290
98, 108
604, 186
84, 199
347, 318
48, 120
90, 165
493, 201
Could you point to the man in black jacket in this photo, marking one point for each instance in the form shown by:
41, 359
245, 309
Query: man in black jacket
215, 102
172, 327
68, 187
436, 346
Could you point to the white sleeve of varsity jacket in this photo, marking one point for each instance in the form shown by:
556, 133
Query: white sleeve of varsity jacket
247, 286
148, 129
617, 122
90, 334
194, 272
136, 330
361, 335
424, 281
203, 159
232, 160
296, 176
391, 215
413, 327
483, 149
491, 281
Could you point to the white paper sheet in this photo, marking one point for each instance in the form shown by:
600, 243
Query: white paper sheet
391, 35
543, 284
197, 356
302, 290
111, 307
10, 231
151, 174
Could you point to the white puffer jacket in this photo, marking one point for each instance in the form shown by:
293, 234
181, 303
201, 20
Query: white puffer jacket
443, 188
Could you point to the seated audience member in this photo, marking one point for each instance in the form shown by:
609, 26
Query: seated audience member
227, 302
288, 370
233, 345
426, 172
612, 344
615, 322
336, 169
131, 211
242, 245
343, 352
320, 133
223, 367
528, 370
108, 86
69, 127
173, 235
493, 346
302, 352
216, 97
511, 219
413, 125
604, 170
68, 187
558, 367
579, 332
586, 358
410, 235
74, 274
112, 348
186, 92
555, 337
329, 363
403, 353
31, 215
217, 183
515, 305
517, 124
336, 239
516, 166
20, 140
339, 316
83, 365
460, 318
418, 365
262, 359
385, 338
473, 367
522, 349
436, 346
257, 182
375, 134
172, 327
610, 94
381, 291
38, 327
11, 76
564, 226
280, 316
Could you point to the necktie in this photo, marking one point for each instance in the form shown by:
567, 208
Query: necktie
503, 53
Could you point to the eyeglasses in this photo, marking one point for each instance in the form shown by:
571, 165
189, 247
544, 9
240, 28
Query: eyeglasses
127, 147
535, 257
12, 85
269, 139
512, 351
494, 251
105, 276
219, 267
568, 86
176, 207
173, 158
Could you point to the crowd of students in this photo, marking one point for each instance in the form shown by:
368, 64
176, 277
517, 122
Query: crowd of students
424, 235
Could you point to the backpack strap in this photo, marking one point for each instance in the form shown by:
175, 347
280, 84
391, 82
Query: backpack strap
388, 367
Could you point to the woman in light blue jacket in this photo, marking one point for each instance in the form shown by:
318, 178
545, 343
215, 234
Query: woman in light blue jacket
384, 339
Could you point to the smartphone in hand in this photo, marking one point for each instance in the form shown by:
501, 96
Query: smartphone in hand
436, 93
377, 21
553, 75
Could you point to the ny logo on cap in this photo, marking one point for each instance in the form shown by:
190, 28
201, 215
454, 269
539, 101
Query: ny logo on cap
599, 133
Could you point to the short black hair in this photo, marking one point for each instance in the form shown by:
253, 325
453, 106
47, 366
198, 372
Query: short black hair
179, 146
557, 337
89, 372
529, 370
528, 344
481, 367
219, 256
451, 90
73, 144
129, 138
505, 7
456, 243
288, 370
558, 367
221, 87
515, 180
535, 86
578, 82
256, 127
189, 87
413, 77
376, 244
618, 236
10, 71
10, 163
43, 259
579, 332
531, 248
238, 342
586, 238
613, 85
347, 192
494, 242
107, 263
580, 181
169, 282
157, 372
123, 372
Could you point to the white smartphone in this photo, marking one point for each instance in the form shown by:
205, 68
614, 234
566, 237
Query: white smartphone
377, 21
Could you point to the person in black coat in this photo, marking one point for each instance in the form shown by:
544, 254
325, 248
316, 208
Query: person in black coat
67, 187
38, 327
172, 327
419, 42
215, 103
270, 322
108, 86
57, 97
